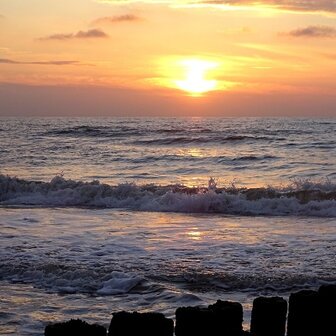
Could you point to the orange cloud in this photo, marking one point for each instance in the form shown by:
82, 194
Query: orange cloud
10, 61
314, 31
117, 19
89, 34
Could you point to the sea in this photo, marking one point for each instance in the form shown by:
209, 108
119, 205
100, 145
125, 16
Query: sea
99, 215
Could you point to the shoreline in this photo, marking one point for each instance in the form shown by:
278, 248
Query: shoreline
307, 312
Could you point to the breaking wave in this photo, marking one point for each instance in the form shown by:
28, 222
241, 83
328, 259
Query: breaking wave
299, 199
101, 280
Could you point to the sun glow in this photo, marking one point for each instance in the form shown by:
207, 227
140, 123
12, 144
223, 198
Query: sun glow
194, 76
195, 81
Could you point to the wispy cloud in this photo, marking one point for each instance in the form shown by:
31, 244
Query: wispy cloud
314, 31
88, 34
10, 61
117, 19
292, 5
329, 56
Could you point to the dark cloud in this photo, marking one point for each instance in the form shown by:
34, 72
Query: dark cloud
314, 31
117, 19
10, 61
89, 34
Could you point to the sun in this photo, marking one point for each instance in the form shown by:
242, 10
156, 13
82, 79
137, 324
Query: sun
195, 76
195, 81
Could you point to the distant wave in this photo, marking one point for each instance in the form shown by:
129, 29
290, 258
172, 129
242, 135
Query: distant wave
254, 158
119, 131
175, 136
302, 198
201, 140
185, 158
91, 131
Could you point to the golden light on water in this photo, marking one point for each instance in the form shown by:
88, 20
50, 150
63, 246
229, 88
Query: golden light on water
195, 80
195, 234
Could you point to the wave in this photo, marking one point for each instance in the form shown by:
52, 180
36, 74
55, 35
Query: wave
302, 198
99, 131
185, 158
158, 136
119, 131
71, 279
183, 140
103, 280
255, 158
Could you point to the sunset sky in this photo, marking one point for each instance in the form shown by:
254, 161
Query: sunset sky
171, 58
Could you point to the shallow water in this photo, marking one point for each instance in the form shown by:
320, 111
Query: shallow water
102, 215
62, 263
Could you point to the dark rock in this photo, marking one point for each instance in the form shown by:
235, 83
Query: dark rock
222, 318
327, 295
304, 314
74, 328
269, 316
140, 324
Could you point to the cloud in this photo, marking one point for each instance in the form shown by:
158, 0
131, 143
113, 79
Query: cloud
314, 31
117, 19
291, 5
10, 61
89, 34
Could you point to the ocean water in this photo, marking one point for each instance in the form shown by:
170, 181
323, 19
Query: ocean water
101, 215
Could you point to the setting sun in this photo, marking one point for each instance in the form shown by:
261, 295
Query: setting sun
195, 81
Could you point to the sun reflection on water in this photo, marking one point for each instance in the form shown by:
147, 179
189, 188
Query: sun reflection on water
195, 234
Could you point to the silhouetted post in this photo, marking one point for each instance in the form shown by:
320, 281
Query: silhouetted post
228, 317
222, 318
269, 316
327, 294
74, 327
304, 314
140, 324
194, 321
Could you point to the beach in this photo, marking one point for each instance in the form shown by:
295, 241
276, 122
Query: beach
103, 215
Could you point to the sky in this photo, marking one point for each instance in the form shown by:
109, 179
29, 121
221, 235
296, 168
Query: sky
168, 58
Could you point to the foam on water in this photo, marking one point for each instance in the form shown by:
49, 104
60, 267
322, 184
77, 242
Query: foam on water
155, 243
119, 283
104, 260
110, 252
305, 198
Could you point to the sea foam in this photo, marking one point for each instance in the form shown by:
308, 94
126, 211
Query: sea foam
301, 199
